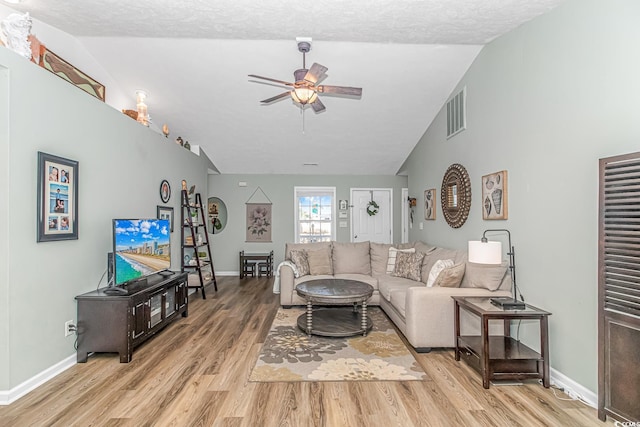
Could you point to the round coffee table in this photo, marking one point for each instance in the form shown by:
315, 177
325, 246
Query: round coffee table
335, 322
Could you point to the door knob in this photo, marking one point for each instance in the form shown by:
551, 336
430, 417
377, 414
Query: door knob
355, 237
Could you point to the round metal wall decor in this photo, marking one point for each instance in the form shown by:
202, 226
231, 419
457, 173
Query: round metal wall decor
456, 195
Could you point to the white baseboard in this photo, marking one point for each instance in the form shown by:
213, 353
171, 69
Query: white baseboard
228, 273
573, 389
7, 397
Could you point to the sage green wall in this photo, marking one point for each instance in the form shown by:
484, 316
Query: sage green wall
279, 189
4, 227
121, 164
545, 102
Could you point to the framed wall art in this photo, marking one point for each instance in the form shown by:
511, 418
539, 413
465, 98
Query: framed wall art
165, 212
57, 198
165, 191
61, 68
430, 204
494, 196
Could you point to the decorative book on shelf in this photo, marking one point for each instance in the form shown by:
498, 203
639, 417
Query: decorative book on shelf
196, 258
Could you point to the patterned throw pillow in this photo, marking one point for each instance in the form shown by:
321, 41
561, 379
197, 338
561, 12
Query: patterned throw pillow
440, 265
391, 261
408, 265
450, 277
299, 258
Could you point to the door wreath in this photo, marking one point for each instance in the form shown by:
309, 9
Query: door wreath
372, 208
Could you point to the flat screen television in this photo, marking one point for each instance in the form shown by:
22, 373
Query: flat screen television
141, 247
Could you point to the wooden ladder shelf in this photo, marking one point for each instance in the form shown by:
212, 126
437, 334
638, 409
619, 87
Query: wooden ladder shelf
193, 237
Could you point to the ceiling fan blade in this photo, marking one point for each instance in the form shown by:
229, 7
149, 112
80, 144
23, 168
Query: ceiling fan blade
340, 90
318, 106
271, 80
314, 73
276, 98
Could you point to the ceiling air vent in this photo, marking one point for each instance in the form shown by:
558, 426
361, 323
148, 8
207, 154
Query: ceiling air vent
456, 113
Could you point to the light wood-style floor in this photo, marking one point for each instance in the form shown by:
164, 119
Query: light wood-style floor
194, 373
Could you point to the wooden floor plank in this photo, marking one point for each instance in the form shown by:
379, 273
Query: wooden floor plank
196, 373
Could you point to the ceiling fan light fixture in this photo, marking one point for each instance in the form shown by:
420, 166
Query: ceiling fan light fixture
303, 95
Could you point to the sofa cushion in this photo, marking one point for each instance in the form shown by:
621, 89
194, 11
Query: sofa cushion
391, 261
319, 261
386, 284
379, 257
438, 254
487, 276
300, 259
398, 299
351, 258
360, 278
424, 248
408, 265
304, 246
451, 277
438, 266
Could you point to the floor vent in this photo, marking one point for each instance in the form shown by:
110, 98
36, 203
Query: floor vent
456, 113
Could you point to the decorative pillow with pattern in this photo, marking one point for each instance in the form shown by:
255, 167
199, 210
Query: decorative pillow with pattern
299, 258
391, 261
408, 265
439, 265
450, 277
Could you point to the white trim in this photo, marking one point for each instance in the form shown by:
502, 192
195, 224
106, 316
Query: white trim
228, 273
404, 212
305, 190
10, 396
573, 389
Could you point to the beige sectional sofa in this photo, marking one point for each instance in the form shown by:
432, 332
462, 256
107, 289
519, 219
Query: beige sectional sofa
424, 314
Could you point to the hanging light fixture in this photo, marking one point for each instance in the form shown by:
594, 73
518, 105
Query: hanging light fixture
143, 117
302, 93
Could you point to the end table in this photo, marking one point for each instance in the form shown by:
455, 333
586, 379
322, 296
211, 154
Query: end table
501, 357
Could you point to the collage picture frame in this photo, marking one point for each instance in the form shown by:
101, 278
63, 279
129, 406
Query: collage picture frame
58, 180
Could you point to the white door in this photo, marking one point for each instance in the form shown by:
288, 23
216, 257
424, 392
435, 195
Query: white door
375, 228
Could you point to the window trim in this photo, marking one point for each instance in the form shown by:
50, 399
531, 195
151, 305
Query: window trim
307, 190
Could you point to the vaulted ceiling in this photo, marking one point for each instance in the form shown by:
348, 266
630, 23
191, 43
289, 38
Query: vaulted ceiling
193, 58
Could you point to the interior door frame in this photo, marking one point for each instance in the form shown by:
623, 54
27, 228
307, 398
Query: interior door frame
351, 211
404, 212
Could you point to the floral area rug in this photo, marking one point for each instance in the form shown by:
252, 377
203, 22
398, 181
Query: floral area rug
288, 354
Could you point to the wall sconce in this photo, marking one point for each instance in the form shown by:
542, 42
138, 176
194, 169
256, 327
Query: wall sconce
486, 252
143, 117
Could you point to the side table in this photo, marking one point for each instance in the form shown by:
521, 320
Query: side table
502, 357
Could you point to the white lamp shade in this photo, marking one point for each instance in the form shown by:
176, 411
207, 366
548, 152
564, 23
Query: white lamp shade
485, 252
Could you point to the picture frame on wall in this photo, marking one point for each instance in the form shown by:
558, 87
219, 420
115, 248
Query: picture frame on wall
343, 205
165, 212
258, 222
494, 196
165, 191
57, 198
430, 204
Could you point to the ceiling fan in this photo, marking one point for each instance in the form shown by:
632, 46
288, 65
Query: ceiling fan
305, 89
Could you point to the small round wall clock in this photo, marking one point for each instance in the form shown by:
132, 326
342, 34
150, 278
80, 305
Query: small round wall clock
165, 191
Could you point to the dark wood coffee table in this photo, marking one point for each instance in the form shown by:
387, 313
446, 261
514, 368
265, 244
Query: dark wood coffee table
335, 322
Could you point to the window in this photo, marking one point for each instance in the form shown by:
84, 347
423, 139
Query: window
315, 214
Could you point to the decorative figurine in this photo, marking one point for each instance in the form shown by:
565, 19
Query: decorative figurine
180, 143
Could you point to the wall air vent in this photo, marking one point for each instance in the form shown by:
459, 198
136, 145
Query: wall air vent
456, 113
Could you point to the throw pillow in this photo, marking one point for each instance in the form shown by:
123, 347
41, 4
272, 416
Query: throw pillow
450, 277
379, 257
391, 261
300, 259
319, 261
351, 258
439, 265
487, 276
408, 265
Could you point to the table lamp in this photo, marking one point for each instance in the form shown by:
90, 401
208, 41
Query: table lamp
486, 252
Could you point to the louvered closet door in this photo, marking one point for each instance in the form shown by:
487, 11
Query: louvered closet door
619, 289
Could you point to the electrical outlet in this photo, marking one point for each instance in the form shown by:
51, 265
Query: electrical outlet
69, 328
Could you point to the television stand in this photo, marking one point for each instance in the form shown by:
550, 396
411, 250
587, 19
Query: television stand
120, 323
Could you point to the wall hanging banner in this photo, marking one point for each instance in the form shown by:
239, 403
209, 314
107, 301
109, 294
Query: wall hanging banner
258, 222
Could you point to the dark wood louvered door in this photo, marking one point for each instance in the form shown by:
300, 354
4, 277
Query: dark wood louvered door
619, 289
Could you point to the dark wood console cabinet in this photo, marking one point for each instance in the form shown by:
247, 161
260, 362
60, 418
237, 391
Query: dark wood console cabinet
120, 323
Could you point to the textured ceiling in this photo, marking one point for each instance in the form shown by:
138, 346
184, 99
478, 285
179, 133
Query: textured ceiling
193, 57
